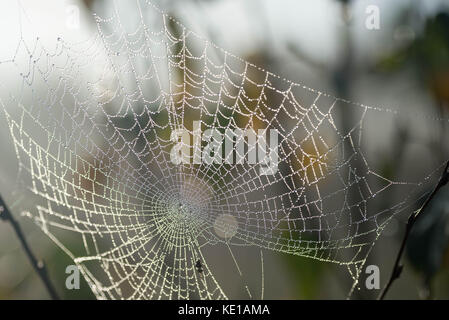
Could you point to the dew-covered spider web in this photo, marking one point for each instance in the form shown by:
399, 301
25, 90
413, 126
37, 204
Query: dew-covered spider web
95, 154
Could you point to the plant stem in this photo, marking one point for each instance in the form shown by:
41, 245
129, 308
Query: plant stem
38, 266
397, 268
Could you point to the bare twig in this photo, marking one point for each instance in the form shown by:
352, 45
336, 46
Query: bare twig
38, 266
397, 268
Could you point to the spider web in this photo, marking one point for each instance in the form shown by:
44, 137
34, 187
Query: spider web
96, 156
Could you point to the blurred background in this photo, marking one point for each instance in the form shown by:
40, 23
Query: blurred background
400, 61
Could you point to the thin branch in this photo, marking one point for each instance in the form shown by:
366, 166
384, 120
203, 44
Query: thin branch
397, 268
38, 266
